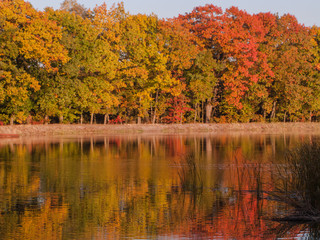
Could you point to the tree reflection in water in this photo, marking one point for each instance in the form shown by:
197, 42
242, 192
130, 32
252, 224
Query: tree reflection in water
143, 187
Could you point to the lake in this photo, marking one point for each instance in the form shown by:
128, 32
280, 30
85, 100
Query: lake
146, 187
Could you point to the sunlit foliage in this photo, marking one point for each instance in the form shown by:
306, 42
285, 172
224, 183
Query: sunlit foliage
107, 65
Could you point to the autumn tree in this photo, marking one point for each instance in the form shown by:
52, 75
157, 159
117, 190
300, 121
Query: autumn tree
143, 66
291, 61
30, 42
206, 24
204, 66
84, 83
108, 22
181, 48
73, 6
202, 85
313, 102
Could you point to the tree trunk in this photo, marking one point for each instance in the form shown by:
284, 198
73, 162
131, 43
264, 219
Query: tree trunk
91, 118
29, 119
139, 118
125, 116
147, 117
195, 113
285, 116
155, 107
202, 110
12, 119
46, 120
151, 110
273, 112
310, 116
106, 119
61, 119
154, 116
81, 118
213, 103
208, 111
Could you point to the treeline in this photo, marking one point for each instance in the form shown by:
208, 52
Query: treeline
76, 65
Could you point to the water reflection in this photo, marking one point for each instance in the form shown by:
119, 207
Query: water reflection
143, 187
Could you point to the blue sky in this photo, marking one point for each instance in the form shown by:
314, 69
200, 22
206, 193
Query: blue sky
306, 11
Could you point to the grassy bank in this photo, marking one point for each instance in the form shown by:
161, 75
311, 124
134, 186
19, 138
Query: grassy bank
245, 128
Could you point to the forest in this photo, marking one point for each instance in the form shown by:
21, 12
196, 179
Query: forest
105, 65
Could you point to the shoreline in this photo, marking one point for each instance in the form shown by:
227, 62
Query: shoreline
118, 129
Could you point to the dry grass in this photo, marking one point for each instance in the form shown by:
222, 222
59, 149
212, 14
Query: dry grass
190, 174
242, 128
299, 185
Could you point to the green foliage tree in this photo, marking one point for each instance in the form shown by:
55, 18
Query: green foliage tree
144, 66
84, 83
203, 84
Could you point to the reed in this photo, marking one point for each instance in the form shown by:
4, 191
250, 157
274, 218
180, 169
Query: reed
190, 175
299, 185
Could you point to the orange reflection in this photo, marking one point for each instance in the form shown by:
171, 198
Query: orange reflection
113, 187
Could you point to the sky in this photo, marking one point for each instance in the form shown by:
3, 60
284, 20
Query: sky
307, 11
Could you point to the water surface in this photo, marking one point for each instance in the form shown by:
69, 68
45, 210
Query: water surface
145, 187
